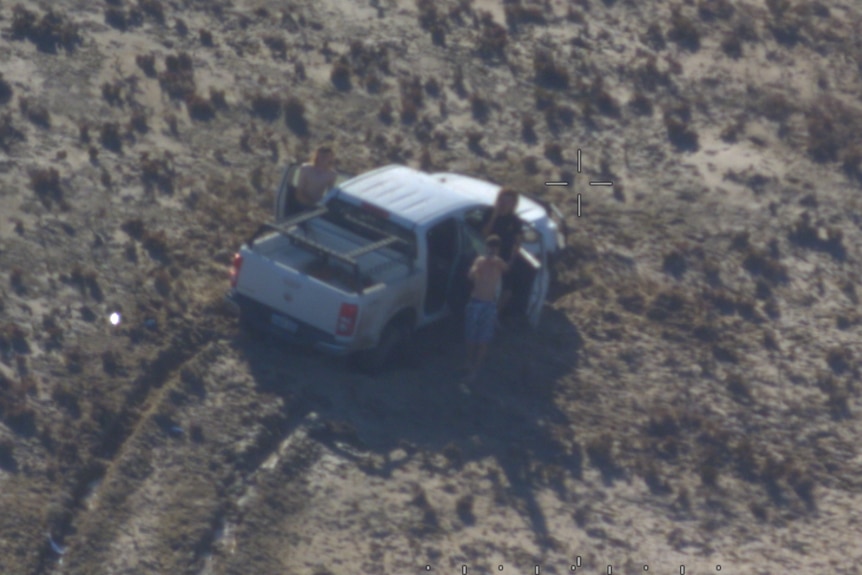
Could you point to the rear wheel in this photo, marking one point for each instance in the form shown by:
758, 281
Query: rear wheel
391, 341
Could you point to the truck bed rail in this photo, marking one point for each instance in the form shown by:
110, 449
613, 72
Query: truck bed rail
290, 228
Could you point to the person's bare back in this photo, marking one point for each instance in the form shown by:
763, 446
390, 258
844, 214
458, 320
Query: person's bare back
486, 273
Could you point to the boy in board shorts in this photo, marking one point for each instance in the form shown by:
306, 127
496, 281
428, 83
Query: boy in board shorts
481, 313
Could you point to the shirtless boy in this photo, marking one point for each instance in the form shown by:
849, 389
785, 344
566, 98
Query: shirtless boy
481, 314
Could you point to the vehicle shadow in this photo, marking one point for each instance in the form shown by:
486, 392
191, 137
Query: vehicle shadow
420, 406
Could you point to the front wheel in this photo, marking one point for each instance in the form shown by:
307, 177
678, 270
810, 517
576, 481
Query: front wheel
391, 340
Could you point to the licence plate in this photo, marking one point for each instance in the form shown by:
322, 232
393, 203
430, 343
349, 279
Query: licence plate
284, 323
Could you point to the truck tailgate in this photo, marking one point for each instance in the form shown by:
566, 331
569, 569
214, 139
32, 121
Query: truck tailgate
291, 292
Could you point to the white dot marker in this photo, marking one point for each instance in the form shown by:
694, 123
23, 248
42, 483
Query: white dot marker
115, 318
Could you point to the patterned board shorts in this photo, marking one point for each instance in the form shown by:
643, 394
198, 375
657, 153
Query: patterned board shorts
481, 318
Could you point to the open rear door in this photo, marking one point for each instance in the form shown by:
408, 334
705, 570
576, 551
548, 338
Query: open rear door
284, 194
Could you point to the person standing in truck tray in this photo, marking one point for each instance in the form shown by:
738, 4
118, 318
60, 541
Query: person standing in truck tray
481, 312
505, 223
315, 178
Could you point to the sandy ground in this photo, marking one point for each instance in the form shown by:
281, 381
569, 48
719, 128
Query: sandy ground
691, 397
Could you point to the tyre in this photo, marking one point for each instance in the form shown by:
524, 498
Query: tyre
391, 340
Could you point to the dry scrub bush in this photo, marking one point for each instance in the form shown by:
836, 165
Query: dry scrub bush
154, 9
138, 121
117, 17
640, 104
9, 134
147, 63
549, 73
157, 172
294, 116
715, 9
49, 32
528, 129
109, 136
683, 137
199, 107
181, 27
340, 74
474, 142
112, 92
492, 38
35, 112
46, 183
732, 46
266, 106
554, 152
206, 38
277, 45
684, 32
480, 108
517, 14
654, 37
759, 263
5, 91
809, 235
385, 113
178, 78
833, 130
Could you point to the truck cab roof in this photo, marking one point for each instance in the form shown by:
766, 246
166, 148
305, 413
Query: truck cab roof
417, 198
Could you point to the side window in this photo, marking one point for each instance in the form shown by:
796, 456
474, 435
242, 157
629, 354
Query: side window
475, 216
472, 242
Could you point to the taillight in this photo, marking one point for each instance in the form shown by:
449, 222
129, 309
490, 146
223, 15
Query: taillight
234, 270
346, 319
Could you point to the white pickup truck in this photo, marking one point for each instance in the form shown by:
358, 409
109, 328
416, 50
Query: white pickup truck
385, 253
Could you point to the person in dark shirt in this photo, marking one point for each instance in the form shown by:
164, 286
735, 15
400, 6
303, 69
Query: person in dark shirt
505, 223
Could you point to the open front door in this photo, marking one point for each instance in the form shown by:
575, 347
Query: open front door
541, 280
